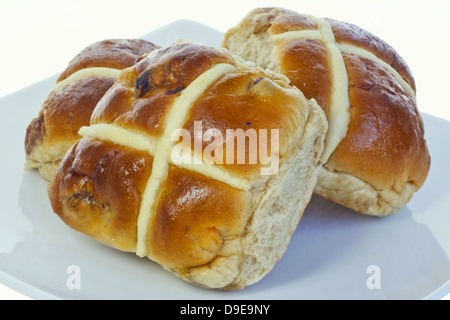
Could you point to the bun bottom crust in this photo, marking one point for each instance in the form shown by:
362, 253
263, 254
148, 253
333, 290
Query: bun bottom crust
361, 196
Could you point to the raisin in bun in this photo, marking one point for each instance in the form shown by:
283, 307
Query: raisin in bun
71, 101
375, 155
216, 224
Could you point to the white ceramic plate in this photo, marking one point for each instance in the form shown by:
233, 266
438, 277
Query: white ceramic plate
334, 253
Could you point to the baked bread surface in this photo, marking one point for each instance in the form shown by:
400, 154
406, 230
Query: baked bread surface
70, 103
213, 223
375, 155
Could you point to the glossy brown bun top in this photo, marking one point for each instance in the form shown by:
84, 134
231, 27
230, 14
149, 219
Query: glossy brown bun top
71, 101
111, 53
214, 223
375, 153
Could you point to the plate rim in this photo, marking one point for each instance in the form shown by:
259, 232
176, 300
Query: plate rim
39, 293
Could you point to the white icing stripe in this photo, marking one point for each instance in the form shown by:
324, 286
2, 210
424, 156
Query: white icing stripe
338, 109
347, 48
209, 170
159, 173
338, 115
86, 73
121, 136
294, 35
324, 28
174, 120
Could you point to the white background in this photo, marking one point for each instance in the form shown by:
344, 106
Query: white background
38, 38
